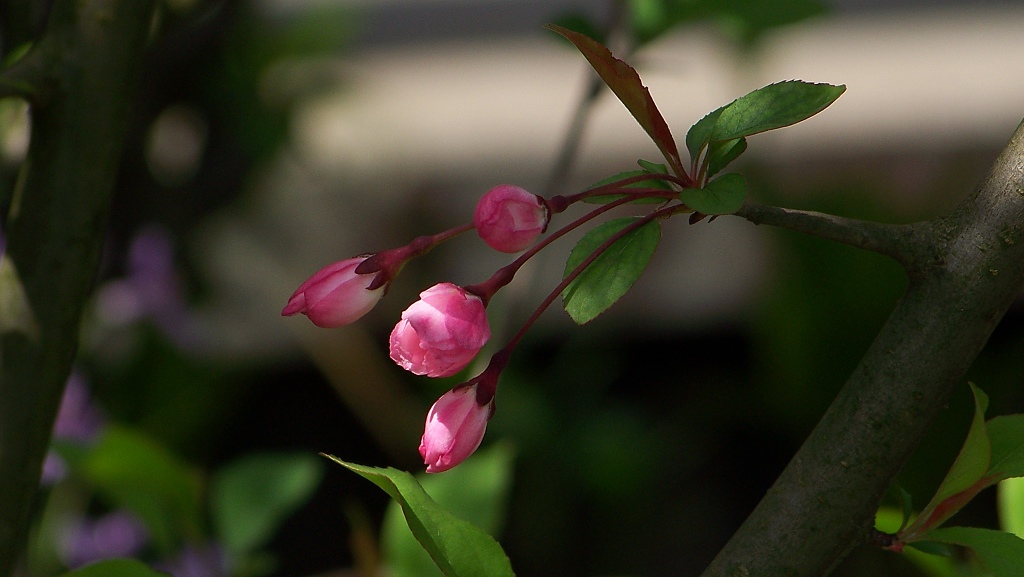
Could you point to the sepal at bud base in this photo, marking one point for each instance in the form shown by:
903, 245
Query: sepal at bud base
455, 427
336, 295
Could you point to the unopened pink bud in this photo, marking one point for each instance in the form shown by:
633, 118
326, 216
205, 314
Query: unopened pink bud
455, 426
335, 296
509, 218
440, 333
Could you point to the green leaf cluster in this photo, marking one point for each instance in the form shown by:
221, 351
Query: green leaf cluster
992, 452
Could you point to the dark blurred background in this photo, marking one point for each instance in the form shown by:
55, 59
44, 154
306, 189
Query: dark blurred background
272, 137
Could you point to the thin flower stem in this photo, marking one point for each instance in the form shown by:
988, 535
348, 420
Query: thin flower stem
505, 274
660, 213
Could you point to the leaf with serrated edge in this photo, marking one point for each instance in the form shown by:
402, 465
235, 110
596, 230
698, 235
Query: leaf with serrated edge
1000, 552
723, 195
612, 274
627, 86
774, 106
459, 548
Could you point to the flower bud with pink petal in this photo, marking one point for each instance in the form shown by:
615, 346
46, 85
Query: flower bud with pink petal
509, 218
455, 426
336, 295
440, 333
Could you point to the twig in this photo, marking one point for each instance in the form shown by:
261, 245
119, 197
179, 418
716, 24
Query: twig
905, 243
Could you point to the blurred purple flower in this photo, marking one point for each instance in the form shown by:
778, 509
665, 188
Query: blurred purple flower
151, 288
78, 421
192, 561
117, 534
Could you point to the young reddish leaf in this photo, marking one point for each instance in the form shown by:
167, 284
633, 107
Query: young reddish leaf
627, 86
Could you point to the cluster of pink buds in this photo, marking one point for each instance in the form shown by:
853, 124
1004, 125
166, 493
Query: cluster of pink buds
442, 332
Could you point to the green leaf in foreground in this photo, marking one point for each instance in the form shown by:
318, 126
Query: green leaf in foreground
251, 496
459, 548
1000, 552
115, 568
723, 195
774, 106
475, 491
613, 273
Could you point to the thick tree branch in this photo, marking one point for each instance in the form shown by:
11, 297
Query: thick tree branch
907, 244
823, 504
54, 234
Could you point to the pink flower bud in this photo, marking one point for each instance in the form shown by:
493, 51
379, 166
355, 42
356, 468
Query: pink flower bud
440, 333
335, 296
455, 426
509, 218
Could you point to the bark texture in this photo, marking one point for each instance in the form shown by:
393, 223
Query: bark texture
965, 273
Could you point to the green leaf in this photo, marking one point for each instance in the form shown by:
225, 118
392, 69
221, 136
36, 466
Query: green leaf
972, 462
459, 548
115, 568
1010, 502
132, 471
1002, 553
654, 168
612, 273
723, 195
700, 133
720, 154
774, 106
627, 86
475, 491
250, 497
1007, 436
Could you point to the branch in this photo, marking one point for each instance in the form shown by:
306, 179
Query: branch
54, 234
824, 503
907, 244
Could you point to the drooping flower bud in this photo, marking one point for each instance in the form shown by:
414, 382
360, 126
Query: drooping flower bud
440, 333
509, 218
454, 429
336, 295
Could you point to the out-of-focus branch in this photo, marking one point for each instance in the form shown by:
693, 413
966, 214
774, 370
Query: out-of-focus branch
824, 503
54, 233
